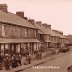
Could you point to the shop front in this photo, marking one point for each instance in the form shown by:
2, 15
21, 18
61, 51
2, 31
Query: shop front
13, 46
9, 48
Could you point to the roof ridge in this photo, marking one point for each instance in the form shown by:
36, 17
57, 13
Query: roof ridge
14, 19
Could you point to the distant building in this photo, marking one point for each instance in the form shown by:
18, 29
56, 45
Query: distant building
49, 37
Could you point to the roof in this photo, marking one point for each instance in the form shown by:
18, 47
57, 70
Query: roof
14, 19
42, 29
59, 35
40, 32
17, 40
46, 30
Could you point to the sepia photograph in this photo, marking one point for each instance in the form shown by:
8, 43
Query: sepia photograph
35, 36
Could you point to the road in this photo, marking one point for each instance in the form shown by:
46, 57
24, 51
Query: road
59, 64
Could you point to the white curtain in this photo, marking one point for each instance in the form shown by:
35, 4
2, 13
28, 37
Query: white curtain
18, 48
35, 46
2, 49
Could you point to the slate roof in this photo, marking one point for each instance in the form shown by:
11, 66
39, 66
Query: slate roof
14, 19
44, 30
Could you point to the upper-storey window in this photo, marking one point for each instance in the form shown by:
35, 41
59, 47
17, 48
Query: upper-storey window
3, 30
49, 37
35, 34
26, 32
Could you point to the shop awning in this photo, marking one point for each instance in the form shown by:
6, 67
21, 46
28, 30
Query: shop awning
18, 40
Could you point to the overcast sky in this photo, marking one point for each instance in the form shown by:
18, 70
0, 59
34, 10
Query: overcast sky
58, 13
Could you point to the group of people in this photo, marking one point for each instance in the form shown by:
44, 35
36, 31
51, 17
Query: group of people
12, 61
38, 55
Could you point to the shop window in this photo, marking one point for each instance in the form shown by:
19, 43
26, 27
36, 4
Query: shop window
38, 46
18, 48
35, 46
12, 47
6, 49
3, 30
26, 45
2, 49
26, 32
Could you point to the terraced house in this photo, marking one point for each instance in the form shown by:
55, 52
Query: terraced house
47, 36
16, 33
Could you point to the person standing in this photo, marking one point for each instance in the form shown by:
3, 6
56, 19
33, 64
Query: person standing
28, 58
7, 63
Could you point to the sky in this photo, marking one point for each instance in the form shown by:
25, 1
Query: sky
58, 13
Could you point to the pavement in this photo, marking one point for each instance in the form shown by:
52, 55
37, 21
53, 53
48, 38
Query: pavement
36, 62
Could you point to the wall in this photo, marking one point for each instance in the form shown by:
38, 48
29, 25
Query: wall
31, 33
0, 29
12, 31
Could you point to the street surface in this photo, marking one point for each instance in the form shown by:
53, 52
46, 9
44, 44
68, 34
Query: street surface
59, 64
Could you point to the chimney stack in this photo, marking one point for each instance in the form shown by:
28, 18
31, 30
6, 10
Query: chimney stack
32, 21
20, 13
39, 23
46, 25
4, 7
49, 26
60, 32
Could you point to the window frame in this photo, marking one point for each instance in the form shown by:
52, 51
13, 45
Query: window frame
3, 30
26, 32
35, 33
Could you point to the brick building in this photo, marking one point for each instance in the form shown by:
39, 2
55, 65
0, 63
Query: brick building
49, 37
43, 34
61, 38
16, 33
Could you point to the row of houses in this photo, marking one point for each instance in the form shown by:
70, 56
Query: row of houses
18, 32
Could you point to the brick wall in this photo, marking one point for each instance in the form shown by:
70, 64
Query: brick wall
31, 33
12, 31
